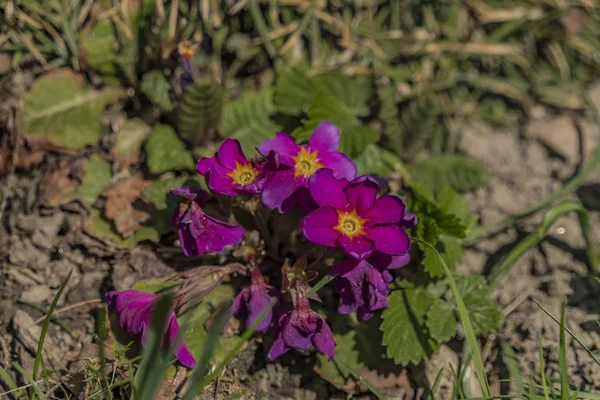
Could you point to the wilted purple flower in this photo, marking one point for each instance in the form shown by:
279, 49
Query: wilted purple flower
134, 310
350, 216
300, 329
363, 285
289, 186
198, 232
253, 300
229, 173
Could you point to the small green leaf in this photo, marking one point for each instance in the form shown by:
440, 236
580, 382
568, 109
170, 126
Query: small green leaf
129, 140
452, 203
432, 263
441, 321
97, 178
200, 110
452, 251
459, 172
337, 373
166, 152
154, 285
427, 229
484, 313
60, 108
98, 47
404, 332
248, 119
375, 160
156, 87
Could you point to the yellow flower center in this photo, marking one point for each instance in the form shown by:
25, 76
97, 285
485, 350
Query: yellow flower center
243, 174
350, 223
306, 163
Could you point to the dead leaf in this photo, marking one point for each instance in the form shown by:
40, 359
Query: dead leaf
25, 158
297, 277
63, 179
121, 201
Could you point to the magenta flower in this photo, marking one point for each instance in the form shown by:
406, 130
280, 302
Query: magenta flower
134, 310
300, 329
198, 232
229, 173
350, 216
363, 285
253, 300
289, 186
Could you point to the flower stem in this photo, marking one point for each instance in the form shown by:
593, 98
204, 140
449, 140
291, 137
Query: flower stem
262, 226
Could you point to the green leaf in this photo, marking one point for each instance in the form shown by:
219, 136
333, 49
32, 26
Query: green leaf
452, 203
441, 321
166, 152
154, 285
459, 172
449, 224
156, 87
97, 178
375, 160
354, 91
98, 47
129, 140
248, 119
338, 373
427, 229
294, 91
199, 112
484, 313
432, 263
452, 251
404, 332
102, 228
60, 108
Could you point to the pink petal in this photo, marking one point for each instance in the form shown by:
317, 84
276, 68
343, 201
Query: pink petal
284, 145
317, 226
360, 247
341, 164
220, 183
279, 188
387, 209
389, 239
229, 152
327, 190
323, 340
205, 164
278, 348
217, 235
181, 350
362, 193
386, 261
325, 138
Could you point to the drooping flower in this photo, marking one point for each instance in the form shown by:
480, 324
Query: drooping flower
363, 285
134, 310
350, 216
229, 173
300, 329
253, 300
198, 232
289, 186
186, 51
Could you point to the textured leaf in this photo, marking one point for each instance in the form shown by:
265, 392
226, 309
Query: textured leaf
98, 47
156, 87
427, 229
459, 172
441, 321
484, 313
452, 203
294, 91
432, 263
61, 109
97, 178
452, 251
353, 91
337, 373
375, 160
248, 119
154, 285
129, 141
404, 332
200, 110
166, 152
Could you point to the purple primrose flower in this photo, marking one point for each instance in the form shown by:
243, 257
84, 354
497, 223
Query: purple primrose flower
298, 163
229, 173
134, 310
350, 216
300, 329
363, 285
198, 232
253, 300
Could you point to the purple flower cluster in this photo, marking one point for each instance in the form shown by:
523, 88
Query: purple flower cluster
342, 211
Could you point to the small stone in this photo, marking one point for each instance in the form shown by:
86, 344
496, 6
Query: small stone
559, 134
37, 294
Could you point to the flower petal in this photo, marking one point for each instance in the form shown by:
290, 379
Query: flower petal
257, 304
389, 239
323, 340
317, 226
229, 152
387, 261
181, 350
386, 210
283, 144
327, 190
279, 188
217, 235
409, 221
362, 193
341, 164
220, 183
205, 164
187, 241
325, 138
278, 348
359, 247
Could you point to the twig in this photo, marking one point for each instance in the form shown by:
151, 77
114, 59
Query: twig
293, 39
173, 18
13, 166
20, 388
72, 306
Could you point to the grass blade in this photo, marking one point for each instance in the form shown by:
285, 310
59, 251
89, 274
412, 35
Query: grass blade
543, 372
562, 356
35, 389
508, 355
466, 322
361, 379
101, 329
436, 384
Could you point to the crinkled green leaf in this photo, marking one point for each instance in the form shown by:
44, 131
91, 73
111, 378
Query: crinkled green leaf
427, 229
102, 228
129, 140
248, 119
405, 334
441, 321
199, 111
98, 47
345, 350
156, 87
452, 251
166, 152
97, 178
60, 108
375, 160
459, 172
353, 91
452, 203
432, 263
485, 314
294, 91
